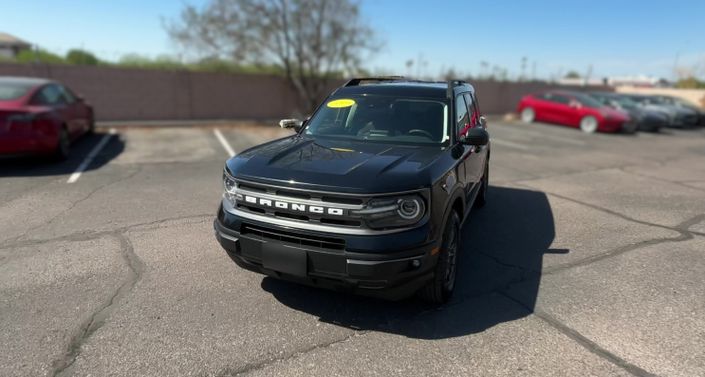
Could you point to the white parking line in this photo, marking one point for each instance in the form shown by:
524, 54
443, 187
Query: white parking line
511, 144
224, 142
89, 158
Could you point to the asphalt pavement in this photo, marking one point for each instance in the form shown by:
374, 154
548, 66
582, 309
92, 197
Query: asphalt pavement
589, 259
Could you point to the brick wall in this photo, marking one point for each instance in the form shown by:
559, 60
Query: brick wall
146, 94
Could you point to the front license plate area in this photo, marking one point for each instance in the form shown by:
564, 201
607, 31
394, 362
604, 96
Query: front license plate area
284, 259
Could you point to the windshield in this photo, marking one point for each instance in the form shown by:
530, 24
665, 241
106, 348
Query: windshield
382, 118
13, 91
588, 101
624, 102
683, 102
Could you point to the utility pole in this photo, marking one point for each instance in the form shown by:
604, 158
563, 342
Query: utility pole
522, 77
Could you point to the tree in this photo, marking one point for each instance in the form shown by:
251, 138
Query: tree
690, 83
141, 61
572, 75
39, 56
311, 41
81, 57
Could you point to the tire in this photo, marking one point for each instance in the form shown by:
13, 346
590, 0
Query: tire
630, 128
528, 115
589, 124
63, 145
481, 198
440, 288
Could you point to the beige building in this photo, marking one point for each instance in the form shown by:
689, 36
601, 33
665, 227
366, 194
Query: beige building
10, 45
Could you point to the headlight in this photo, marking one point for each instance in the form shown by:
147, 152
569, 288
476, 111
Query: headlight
230, 188
392, 212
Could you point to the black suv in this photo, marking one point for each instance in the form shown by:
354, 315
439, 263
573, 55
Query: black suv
368, 196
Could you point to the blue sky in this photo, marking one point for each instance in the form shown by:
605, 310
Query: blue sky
614, 37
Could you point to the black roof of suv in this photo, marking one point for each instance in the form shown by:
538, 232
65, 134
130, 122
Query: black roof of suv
403, 86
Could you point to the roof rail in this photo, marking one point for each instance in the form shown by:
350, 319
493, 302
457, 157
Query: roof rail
357, 80
452, 84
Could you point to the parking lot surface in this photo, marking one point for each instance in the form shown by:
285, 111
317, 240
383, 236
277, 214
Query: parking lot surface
589, 259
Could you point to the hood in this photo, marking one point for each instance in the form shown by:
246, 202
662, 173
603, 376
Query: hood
338, 165
654, 113
671, 110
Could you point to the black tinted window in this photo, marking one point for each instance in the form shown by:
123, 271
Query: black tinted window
50, 95
462, 118
472, 108
561, 99
382, 118
555, 97
69, 97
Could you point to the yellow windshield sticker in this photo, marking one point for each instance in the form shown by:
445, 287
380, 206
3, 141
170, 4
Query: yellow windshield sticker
340, 103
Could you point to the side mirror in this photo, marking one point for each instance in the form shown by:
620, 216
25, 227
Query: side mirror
294, 124
575, 104
476, 136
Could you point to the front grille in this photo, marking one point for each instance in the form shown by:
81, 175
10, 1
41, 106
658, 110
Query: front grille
293, 238
333, 208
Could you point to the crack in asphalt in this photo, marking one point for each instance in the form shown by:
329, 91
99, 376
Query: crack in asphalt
683, 184
96, 320
89, 235
591, 346
74, 204
251, 367
583, 341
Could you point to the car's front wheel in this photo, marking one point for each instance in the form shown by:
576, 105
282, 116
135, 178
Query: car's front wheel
588, 124
441, 287
629, 128
528, 115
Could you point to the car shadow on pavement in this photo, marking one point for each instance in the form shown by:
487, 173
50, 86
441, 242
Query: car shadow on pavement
503, 244
31, 166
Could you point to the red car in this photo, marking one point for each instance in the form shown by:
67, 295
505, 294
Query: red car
40, 117
575, 110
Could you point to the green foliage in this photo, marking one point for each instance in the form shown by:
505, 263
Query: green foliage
164, 62
140, 61
81, 57
227, 66
572, 75
39, 56
690, 83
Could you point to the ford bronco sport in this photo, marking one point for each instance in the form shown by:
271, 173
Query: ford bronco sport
368, 195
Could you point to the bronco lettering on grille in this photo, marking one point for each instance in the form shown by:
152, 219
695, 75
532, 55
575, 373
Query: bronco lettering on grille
294, 207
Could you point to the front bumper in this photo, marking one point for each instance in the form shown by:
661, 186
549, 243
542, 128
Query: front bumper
317, 259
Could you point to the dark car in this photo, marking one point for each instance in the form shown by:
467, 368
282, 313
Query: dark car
646, 119
681, 103
573, 109
40, 117
368, 196
678, 117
